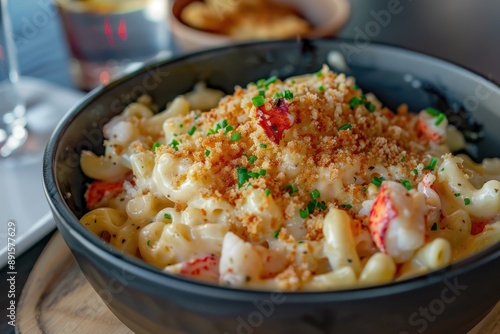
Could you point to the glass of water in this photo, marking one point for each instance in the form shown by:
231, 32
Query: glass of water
109, 37
13, 131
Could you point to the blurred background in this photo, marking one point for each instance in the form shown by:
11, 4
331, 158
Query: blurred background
462, 31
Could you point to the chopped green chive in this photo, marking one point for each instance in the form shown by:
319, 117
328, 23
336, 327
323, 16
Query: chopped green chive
192, 130
434, 227
440, 119
355, 101
261, 83
406, 184
167, 216
415, 171
252, 159
291, 188
262, 93
258, 101
365, 189
181, 125
278, 95
263, 146
346, 206
433, 112
355, 87
321, 88
377, 181
267, 191
456, 194
155, 146
346, 126
432, 164
271, 80
174, 143
288, 95
149, 243
197, 116
370, 106
301, 242
319, 74
276, 234
235, 136
207, 153
313, 204
242, 175
466, 201
403, 158
228, 128
315, 194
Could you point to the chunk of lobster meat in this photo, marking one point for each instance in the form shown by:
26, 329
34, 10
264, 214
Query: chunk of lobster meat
432, 126
432, 199
478, 227
397, 221
240, 261
276, 120
101, 191
204, 268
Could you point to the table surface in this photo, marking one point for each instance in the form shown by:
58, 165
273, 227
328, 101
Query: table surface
462, 31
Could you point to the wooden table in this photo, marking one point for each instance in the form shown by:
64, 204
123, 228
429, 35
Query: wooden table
462, 31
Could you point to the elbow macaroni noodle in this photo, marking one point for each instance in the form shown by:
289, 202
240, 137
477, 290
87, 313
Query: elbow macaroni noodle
301, 184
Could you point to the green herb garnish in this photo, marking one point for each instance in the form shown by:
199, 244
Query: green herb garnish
271, 80
433, 112
406, 184
207, 153
466, 201
432, 164
192, 130
378, 181
155, 146
236, 136
440, 119
174, 143
315, 194
346, 126
276, 233
167, 216
258, 101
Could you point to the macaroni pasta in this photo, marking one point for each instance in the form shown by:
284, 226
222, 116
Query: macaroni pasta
300, 184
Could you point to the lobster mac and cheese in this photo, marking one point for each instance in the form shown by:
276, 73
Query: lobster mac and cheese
302, 184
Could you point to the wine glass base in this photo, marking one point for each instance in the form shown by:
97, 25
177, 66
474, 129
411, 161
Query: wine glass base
13, 142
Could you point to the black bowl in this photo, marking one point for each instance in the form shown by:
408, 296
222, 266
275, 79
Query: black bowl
451, 300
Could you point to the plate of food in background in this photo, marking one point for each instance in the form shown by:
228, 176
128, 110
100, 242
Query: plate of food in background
204, 24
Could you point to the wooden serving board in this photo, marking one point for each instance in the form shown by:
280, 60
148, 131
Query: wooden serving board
58, 299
